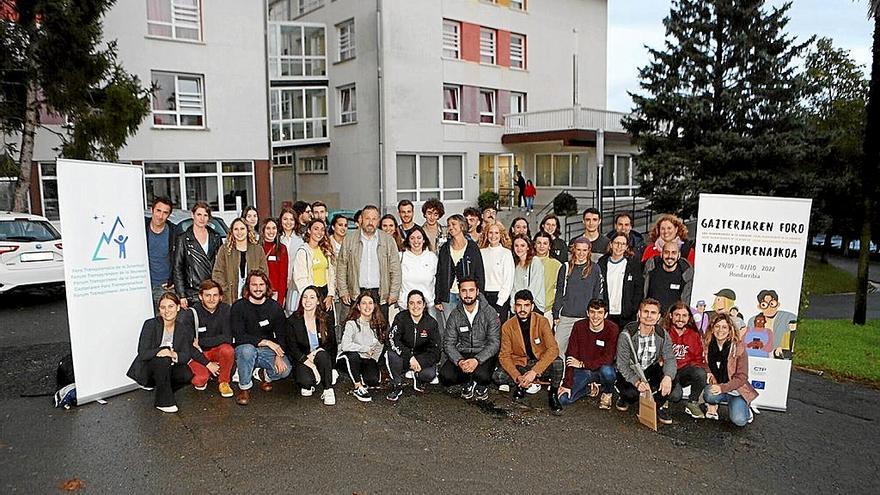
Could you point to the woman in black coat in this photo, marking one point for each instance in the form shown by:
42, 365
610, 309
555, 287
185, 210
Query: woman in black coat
413, 345
164, 350
311, 344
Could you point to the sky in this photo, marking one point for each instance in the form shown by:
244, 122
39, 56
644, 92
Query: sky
635, 23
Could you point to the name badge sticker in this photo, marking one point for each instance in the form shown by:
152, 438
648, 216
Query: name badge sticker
464, 329
272, 258
264, 323
629, 278
538, 341
203, 329
600, 343
674, 286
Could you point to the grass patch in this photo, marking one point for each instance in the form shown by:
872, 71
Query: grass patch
824, 278
840, 348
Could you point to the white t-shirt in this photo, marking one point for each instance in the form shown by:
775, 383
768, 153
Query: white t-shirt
499, 268
417, 273
616, 273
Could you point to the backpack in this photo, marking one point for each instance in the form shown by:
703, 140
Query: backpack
66, 395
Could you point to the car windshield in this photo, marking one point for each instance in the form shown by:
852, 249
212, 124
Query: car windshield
23, 230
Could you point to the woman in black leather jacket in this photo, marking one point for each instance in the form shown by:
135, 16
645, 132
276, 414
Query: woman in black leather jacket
194, 256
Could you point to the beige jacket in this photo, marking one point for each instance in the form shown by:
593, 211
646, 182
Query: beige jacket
226, 269
348, 265
302, 270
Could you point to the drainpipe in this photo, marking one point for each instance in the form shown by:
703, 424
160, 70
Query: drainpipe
574, 70
381, 100
600, 159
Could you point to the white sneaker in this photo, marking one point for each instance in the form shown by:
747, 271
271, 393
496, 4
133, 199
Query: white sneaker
329, 397
167, 409
256, 374
533, 389
335, 377
235, 377
203, 387
307, 392
504, 388
409, 374
148, 389
435, 381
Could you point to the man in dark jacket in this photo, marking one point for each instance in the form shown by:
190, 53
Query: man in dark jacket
669, 277
623, 222
521, 187
258, 329
458, 258
471, 341
651, 368
161, 242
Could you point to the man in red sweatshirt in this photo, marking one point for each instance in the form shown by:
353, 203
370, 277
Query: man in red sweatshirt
590, 357
687, 345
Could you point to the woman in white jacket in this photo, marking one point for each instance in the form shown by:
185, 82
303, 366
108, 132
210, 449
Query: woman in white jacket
528, 272
315, 263
418, 264
498, 264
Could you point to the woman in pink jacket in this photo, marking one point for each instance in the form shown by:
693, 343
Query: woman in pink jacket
728, 372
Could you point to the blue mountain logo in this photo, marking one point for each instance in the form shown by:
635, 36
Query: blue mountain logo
116, 235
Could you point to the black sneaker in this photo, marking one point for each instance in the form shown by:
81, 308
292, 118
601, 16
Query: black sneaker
519, 393
481, 393
663, 415
362, 394
418, 387
395, 394
621, 405
467, 392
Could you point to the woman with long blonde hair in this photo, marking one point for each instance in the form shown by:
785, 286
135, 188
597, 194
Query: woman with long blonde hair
579, 281
498, 265
238, 256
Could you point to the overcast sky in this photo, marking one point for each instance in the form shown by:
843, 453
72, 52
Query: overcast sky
635, 23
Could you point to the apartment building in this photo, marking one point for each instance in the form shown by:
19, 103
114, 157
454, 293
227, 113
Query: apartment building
207, 136
381, 100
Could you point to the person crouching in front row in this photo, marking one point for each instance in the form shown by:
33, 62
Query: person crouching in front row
213, 354
413, 344
311, 345
164, 349
362, 345
529, 352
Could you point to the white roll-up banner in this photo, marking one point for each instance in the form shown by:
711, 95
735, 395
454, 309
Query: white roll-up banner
750, 253
106, 271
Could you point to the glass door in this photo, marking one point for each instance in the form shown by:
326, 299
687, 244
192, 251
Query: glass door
487, 173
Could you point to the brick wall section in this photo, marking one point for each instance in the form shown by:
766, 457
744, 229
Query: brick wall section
470, 104
502, 48
262, 169
502, 105
470, 42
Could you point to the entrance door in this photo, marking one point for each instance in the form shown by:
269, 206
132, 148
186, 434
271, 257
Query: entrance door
487, 173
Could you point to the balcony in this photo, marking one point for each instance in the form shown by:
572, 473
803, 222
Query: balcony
574, 125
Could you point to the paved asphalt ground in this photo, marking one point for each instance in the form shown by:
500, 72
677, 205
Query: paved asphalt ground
825, 443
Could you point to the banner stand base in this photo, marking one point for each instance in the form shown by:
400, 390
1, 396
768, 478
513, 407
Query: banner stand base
106, 394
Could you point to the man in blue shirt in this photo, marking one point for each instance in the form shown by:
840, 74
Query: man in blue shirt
161, 239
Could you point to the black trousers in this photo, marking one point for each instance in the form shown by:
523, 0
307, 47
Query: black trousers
451, 374
688, 376
305, 377
397, 367
630, 393
501, 309
167, 377
360, 370
552, 374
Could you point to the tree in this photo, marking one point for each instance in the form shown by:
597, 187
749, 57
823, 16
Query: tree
719, 107
836, 94
53, 59
870, 169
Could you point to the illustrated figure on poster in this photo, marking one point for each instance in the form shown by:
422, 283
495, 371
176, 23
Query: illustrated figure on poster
788, 341
701, 316
121, 240
776, 320
758, 338
725, 300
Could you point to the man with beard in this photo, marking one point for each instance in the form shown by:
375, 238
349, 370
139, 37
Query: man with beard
471, 342
258, 326
687, 345
405, 212
528, 353
668, 277
213, 354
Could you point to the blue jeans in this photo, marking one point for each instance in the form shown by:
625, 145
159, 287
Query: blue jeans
248, 357
737, 407
530, 203
582, 378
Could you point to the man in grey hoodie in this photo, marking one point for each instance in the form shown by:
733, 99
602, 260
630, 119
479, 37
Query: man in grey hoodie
472, 337
645, 361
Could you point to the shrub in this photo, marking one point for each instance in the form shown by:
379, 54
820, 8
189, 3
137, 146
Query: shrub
487, 198
565, 204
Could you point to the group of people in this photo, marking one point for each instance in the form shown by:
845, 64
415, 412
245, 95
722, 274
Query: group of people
473, 304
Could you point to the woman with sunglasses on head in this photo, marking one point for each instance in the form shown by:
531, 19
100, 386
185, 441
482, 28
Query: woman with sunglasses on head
164, 349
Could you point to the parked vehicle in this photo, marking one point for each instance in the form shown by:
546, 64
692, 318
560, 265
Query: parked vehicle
183, 219
30, 252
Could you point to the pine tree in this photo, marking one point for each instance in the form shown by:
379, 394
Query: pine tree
719, 107
53, 58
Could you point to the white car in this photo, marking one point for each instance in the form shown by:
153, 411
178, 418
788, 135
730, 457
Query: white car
30, 251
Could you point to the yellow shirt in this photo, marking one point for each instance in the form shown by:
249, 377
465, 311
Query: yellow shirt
320, 266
